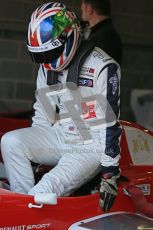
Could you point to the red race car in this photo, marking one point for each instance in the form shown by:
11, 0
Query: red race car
133, 207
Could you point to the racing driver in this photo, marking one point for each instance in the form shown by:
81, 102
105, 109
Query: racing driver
55, 41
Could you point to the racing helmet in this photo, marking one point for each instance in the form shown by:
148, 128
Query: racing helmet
53, 35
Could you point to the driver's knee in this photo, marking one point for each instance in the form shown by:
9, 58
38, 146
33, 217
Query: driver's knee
10, 141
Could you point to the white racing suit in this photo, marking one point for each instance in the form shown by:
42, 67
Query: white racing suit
58, 143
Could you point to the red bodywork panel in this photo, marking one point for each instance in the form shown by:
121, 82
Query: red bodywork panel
14, 210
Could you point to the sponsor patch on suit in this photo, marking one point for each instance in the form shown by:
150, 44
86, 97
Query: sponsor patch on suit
87, 71
85, 82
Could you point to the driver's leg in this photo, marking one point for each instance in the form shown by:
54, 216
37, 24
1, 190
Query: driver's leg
22, 146
76, 167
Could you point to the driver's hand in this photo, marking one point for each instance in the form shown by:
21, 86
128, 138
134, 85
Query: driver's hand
108, 190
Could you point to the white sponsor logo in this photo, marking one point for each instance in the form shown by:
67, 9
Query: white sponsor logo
45, 47
145, 188
17, 227
26, 227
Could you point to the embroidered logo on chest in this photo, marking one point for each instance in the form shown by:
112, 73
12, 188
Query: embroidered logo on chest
87, 71
85, 82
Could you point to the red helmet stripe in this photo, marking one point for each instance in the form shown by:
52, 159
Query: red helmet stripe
33, 39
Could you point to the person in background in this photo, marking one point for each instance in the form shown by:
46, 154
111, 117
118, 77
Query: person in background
55, 41
101, 30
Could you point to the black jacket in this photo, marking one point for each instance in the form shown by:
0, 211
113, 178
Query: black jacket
104, 35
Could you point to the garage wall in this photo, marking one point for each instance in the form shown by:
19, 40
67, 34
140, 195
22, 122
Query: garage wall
132, 19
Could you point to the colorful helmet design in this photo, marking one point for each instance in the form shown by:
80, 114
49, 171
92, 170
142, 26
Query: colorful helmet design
53, 35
